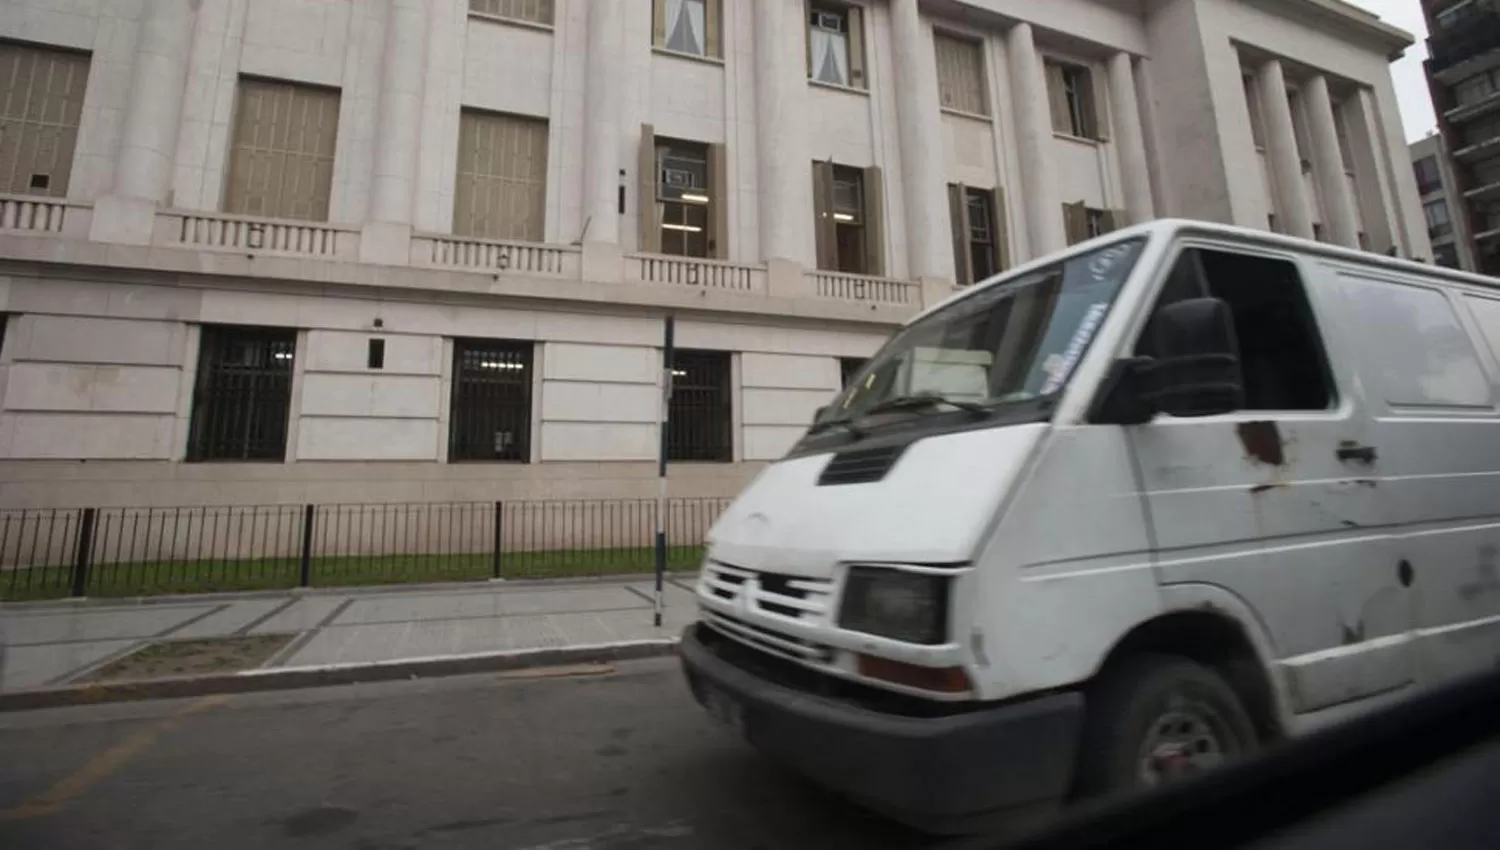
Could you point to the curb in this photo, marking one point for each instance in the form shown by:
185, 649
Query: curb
286, 678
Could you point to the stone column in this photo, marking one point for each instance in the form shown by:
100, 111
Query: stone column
603, 93
386, 236
148, 139
1281, 149
919, 125
1135, 169
1338, 199
1044, 217
783, 158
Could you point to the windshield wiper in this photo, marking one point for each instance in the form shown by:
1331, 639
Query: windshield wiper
845, 422
922, 401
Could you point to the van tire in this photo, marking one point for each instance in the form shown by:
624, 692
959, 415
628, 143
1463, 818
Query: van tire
1136, 706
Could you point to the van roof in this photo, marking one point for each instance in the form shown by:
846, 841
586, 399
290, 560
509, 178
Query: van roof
1169, 228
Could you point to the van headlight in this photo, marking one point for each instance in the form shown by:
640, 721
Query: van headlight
889, 603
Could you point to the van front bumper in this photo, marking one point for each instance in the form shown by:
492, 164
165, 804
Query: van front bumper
940, 772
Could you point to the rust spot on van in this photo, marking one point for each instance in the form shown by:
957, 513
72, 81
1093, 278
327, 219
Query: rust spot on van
1262, 442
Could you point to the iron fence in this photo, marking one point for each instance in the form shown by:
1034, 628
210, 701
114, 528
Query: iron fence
141, 551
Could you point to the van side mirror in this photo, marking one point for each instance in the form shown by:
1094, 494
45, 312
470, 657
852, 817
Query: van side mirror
1195, 370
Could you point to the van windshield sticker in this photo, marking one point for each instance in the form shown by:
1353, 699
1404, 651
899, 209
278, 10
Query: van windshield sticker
1059, 368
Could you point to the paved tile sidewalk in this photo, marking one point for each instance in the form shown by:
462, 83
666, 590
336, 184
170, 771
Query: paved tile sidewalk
54, 644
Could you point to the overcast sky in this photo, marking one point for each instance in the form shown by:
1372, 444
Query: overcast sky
1411, 85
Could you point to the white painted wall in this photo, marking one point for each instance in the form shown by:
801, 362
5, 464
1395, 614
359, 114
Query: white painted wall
779, 394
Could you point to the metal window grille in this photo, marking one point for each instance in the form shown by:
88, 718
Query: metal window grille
243, 394
41, 100
501, 190
960, 64
491, 414
281, 162
532, 11
698, 424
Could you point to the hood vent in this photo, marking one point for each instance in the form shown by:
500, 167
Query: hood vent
860, 466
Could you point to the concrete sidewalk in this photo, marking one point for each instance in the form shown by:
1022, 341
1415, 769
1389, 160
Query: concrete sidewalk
57, 645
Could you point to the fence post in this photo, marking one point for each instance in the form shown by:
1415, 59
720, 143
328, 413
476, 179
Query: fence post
307, 544
500, 528
83, 551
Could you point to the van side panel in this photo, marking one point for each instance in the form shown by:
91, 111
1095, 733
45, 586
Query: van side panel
1429, 364
1067, 572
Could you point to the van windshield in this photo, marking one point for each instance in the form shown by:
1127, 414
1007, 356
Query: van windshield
1014, 341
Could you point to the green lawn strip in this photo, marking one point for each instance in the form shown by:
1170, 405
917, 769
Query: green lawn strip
166, 577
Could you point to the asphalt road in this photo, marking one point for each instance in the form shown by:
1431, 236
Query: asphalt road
621, 760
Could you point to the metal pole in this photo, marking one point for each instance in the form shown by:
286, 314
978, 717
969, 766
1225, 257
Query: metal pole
661, 465
499, 534
305, 578
83, 551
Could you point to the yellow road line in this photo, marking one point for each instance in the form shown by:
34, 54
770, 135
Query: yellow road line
101, 766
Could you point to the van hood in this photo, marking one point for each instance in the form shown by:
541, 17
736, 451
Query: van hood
932, 507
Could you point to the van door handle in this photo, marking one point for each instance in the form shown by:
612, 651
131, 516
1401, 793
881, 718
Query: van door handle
1350, 452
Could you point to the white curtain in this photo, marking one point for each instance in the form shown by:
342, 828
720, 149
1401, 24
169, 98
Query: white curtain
685, 27
830, 56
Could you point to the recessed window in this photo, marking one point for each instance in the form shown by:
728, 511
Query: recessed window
689, 27
847, 209
243, 393
375, 354
1072, 100
1082, 222
1428, 179
849, 369
977, 217
1438, 222
531, 11
281, 157
501, 187
960, 65
684, 197
41, 101
699, 418
836, 45
489, 417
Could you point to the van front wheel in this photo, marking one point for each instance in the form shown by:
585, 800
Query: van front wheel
1155, 718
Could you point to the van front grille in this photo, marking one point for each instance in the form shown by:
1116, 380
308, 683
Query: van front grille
860, 466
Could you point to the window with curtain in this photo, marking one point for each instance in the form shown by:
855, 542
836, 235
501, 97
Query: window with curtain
690, 27
835, 45
960, 65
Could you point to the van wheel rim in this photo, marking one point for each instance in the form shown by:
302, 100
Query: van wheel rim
1181, 742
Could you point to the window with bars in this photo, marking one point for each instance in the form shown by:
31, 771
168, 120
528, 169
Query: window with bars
836, 45
41, 100
501, 187
960, 66
490, 413
531, 11
690, 27
699, 415
281, 160
1073, 102
243, 394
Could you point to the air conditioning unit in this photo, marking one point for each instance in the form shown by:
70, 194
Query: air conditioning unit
830, 21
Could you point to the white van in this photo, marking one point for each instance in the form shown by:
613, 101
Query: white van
1118, 515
